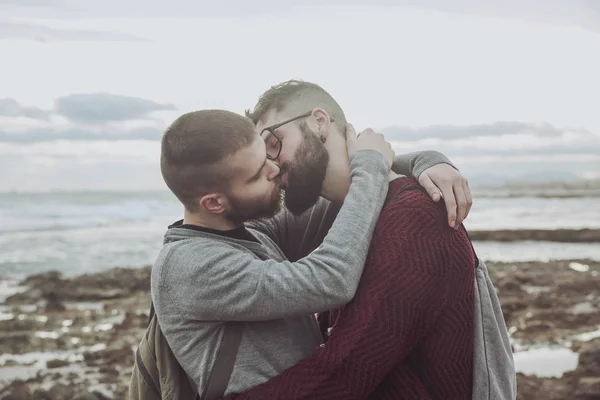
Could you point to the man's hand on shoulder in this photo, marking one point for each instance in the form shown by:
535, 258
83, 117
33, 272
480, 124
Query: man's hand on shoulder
369, 140
445, 181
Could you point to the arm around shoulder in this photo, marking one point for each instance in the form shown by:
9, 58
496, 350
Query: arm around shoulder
212, 280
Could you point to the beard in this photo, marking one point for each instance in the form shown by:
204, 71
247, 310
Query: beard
246, 211
305, 175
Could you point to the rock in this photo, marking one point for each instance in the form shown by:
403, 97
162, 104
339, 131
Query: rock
40, 279
11, 363
40, 394
554, 235
132, 320
589, 359
108, 370
53, 302
100, 396
15, 342
86, 396
512, 286
61, 392
72, 376
537, 299
537, 327
17, 396
56, 363
54, 289
588, 388
120, 356
19, 390
15, 325
534, 388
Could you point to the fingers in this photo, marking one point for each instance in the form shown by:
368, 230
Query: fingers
369, 139
450, 200
350, 132
468, 194
461, 203
430, 187
454, 190
350, 139
368, 131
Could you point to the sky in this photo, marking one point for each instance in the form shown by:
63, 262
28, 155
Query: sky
509, 90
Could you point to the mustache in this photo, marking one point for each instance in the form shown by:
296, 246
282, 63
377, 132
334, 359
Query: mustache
285, 167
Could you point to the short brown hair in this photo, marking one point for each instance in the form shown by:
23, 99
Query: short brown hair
193, 148
297, 97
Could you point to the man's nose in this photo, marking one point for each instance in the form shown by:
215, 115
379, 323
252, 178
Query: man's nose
273, 169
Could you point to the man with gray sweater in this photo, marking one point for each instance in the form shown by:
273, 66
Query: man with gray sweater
272, 274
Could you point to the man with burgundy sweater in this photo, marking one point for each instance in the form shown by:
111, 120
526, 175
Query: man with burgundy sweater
409, 332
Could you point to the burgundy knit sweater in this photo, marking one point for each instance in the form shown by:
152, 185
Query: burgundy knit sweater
415, 302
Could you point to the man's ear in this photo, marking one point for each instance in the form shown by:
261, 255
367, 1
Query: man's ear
214, 203
322, 122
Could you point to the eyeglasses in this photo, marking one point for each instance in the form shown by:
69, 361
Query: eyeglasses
273, 141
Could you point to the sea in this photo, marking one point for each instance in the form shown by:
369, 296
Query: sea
85, 232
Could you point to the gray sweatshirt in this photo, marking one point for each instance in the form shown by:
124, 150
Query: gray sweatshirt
201, 280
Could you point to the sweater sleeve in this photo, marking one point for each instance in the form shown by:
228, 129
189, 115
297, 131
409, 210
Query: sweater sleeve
297, 236
414, 164
212, 281
401, 294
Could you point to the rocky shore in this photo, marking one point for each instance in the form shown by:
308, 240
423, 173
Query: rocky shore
73, 338
547, 235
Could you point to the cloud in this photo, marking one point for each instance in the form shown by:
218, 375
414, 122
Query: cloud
582, 13
498, 139
107, 117
543, 129
541, 148
98, 108
85, 116
11, 108
10, 29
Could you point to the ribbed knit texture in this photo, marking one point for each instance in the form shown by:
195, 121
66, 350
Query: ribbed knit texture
416, 296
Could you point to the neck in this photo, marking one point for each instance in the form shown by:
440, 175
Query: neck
337, 178
212, 222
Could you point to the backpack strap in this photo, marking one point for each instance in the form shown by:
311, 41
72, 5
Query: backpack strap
151, 313
221, 371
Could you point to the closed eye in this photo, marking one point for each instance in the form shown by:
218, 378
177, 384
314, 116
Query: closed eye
258, 174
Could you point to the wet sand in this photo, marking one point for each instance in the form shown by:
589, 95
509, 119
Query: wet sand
73, 338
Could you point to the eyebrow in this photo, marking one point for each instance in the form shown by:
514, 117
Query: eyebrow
255, 176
